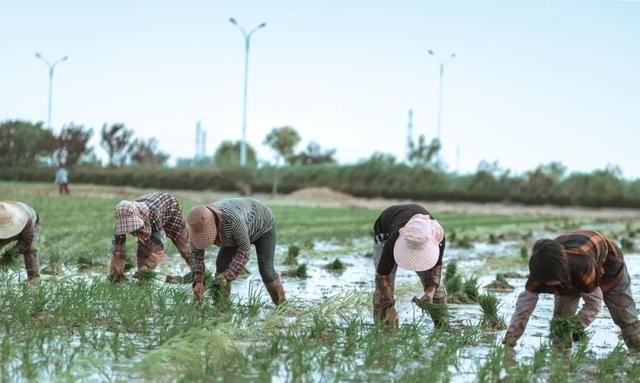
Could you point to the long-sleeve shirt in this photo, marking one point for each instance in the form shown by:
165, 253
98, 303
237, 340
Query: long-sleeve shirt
387, 229
164, 215
241, 222
26, 241
596, 266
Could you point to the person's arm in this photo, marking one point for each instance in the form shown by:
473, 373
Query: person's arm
241, 257
524, 308
591, 307
118, 258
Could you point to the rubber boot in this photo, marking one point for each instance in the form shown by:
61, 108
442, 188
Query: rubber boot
631, 336
276, 291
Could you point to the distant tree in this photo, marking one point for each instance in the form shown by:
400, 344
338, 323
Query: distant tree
72, 144
24, 143
313, 154
116, 141
228, 155
146, 153
424, 155
194, 162
283, 141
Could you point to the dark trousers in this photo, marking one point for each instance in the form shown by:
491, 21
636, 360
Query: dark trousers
63, 188
265, 250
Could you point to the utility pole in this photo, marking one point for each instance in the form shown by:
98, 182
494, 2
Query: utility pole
247, 45
409, 133
442, 62
51, 68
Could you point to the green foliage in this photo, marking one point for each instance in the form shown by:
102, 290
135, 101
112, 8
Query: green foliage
470, 288
116, 141
227, 156
24, 143
301, 271
313, 155
627, 244
439, 314
72, 144
146, 153
524, 253
423, 155
283, 141
336, 265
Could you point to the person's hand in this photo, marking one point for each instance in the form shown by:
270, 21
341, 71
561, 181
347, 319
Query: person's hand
198, 291
427, 297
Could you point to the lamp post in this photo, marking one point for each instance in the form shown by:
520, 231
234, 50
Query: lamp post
451, 56
247, 45
51, 68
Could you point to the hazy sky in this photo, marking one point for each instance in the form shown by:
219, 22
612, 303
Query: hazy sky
533, 81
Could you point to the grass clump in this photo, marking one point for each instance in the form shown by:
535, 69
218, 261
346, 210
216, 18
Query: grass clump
564, 330
627, 244
336, 265
500, 284
9, 258
490, 318
292, 255
299, 272
524, 252
439, 313
459, 290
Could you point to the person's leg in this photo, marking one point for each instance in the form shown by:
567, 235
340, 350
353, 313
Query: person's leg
265, 250
66, 188
622, 308
60, 189
564, 305
31, 254
384, 289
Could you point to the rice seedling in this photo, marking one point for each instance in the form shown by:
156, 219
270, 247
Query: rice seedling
490, 318
627, 244
564, 330
499, 284
337, 265
524, 252
292, 255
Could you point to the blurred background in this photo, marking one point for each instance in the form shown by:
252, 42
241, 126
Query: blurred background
529, 101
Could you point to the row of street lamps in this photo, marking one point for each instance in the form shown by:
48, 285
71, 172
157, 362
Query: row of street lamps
247, 45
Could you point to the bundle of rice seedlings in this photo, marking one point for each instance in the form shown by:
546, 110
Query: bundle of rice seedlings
470, 288
451, 270
500, 283
9, 257
490, 318
564, 330
301, 271
292, 255
336, 265
439, 313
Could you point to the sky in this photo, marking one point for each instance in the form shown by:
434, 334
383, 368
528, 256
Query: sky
532, 81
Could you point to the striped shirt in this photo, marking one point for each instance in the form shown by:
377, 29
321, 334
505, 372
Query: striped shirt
242, 222
595, 261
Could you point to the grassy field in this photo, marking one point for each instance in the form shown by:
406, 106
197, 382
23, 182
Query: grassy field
79, 327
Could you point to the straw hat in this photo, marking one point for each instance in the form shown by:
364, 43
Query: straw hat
13, 219
418, 245
202, 227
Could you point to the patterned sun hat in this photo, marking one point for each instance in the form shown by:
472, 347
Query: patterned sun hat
129, 217
202, 227
418, 245
13, 219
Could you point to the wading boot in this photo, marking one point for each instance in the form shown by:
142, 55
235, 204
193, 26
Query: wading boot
276, 291
631, 336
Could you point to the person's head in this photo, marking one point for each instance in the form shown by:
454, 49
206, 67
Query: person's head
13, 219
131, 218
418, 245
202, 227
548, 264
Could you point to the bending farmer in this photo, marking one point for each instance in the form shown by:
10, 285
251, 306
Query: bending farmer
406, 236
19, 222
234, 224
579, 264
149, 218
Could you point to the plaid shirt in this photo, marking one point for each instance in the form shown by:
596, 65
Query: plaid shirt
595, 261
161, 211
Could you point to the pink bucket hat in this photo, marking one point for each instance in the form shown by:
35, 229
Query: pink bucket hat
202, 227
418, 246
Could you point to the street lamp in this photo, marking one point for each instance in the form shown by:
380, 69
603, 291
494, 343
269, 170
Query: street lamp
51, 67
451, 56
247, 44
